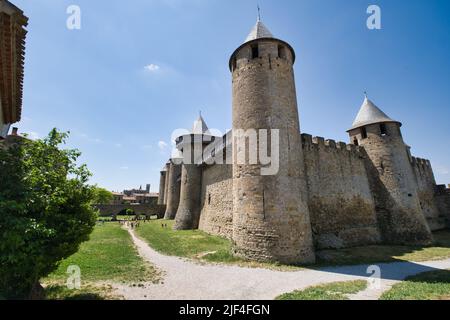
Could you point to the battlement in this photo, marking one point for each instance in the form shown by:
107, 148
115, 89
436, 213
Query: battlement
421, 163
320, 142
443, 189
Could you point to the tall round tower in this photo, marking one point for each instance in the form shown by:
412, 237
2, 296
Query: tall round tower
399, 213
270, 212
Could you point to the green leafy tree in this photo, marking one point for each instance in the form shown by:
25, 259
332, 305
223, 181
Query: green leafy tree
45, 211
102, 196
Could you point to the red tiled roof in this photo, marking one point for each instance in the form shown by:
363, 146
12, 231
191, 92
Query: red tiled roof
12, 54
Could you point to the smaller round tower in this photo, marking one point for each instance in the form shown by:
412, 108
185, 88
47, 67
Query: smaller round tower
162, 186
399, 213
166, 182
191, 146
173, 190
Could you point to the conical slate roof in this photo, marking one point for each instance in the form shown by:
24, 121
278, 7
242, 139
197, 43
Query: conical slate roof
200, 126
370, 114
259, 31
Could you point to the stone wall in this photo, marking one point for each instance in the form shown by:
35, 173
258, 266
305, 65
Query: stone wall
217, 200
143, 209
443, 202
427, 193
342, 207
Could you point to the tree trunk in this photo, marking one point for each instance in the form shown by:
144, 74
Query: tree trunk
37, 292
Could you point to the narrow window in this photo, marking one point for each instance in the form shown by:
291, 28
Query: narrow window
355, 142
255, 52
209, 198
363, 133
282, 52
383, 129
234, 64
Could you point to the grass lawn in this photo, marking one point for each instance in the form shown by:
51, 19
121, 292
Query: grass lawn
331, 291
191, 243
204, 247
195, 244
433, 285
109, 256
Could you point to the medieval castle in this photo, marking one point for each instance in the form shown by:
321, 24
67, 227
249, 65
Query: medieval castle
326, 194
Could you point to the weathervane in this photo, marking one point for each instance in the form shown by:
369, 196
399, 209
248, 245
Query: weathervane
259, 12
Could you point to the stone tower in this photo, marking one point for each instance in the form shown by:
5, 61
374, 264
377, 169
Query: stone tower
162, 186
173, 189
399, 213
270, 212
191, 146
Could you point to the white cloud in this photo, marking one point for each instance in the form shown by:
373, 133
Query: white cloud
33, 135
90, 139
152, 67
124, 168
118, 145
162, 145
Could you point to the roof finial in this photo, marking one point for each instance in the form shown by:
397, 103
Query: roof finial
200, 113
365, 94
259, 12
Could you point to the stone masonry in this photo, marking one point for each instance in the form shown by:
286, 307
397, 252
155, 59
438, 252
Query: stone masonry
326, 194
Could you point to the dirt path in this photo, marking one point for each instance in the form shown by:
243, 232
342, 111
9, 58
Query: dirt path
185, 279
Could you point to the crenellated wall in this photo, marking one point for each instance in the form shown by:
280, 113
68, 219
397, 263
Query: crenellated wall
427, 193
342, 207
443, 202
216, 215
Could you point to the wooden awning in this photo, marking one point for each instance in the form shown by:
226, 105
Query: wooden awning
12, 54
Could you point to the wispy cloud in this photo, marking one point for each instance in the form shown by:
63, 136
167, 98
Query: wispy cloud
162, 145
32, 135
90, 139
152, 68
124, 168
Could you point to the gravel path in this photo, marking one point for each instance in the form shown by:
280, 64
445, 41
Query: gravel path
188, 280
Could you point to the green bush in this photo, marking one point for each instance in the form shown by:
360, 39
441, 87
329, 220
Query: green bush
45, 211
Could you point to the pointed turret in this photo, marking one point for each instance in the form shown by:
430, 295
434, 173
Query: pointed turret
264, 98
400, 217
259, 31
369, 114
200, 126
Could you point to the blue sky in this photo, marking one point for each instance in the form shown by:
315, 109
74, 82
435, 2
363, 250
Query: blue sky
94, 81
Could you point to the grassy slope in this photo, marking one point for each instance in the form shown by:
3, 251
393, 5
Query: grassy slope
109, 256
191, 243
331, 291
433, 285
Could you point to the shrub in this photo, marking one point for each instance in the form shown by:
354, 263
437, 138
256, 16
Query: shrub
45, 211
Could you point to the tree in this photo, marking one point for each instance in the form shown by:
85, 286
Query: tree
102, 196
45, 211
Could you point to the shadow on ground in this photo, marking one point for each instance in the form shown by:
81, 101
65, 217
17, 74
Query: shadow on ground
395, 262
